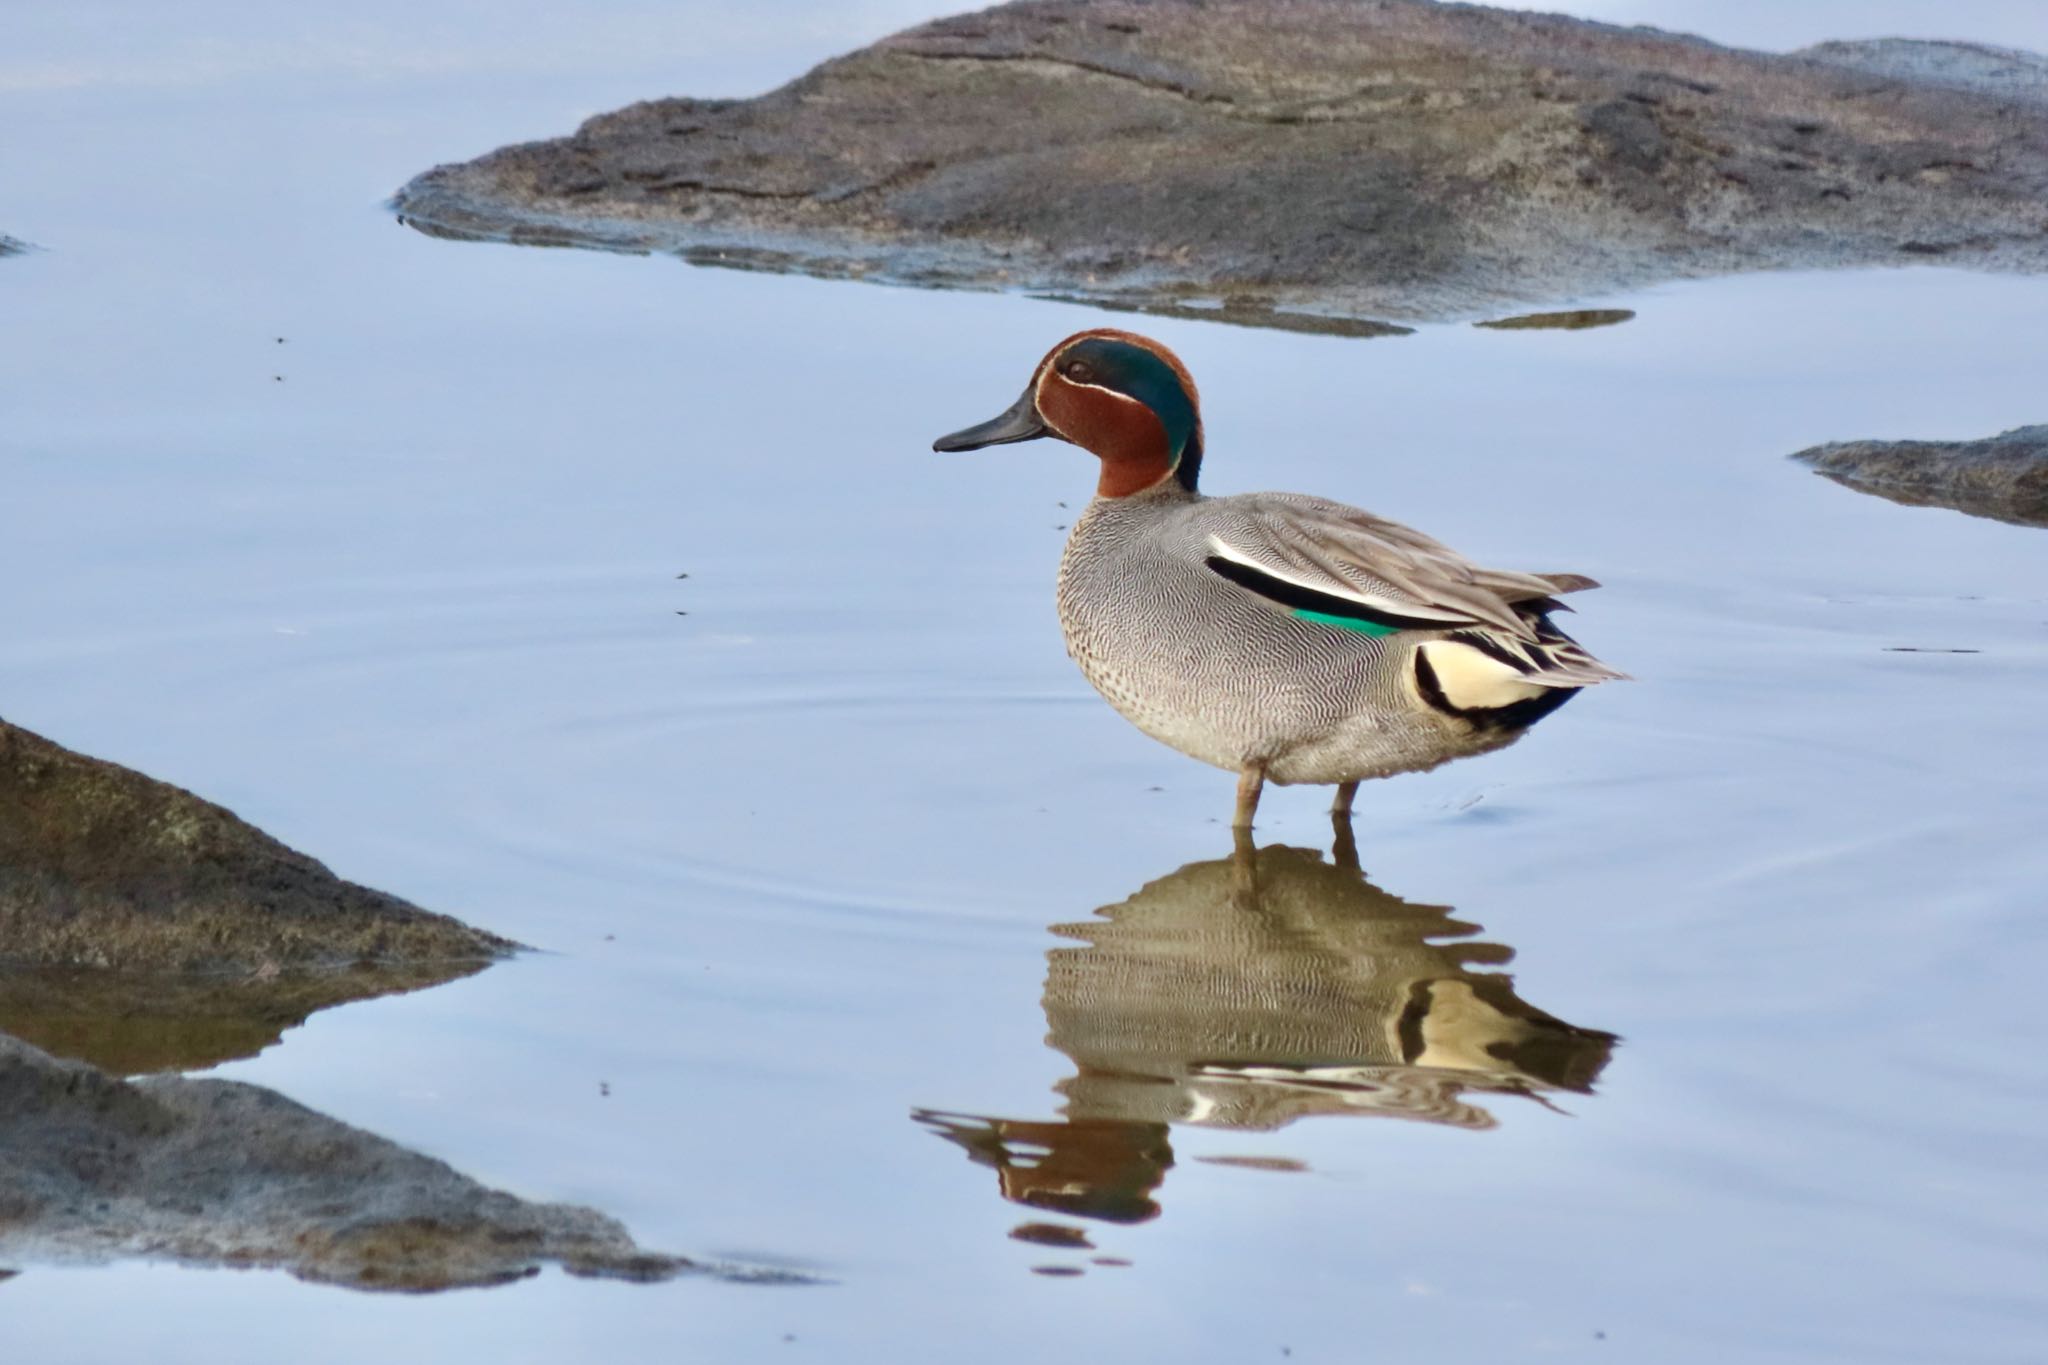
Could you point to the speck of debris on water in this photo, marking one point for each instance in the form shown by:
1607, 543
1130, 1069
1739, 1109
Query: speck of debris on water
1058, 1272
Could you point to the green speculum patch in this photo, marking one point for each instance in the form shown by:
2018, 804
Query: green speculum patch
1372, 628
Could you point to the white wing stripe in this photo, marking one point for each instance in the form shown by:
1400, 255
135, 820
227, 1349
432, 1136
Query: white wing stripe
1391, 606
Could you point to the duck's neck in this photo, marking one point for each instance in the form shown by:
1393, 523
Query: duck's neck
1146, 466
1162, 486
1130, 476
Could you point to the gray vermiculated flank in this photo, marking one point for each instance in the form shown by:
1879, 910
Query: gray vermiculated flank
1202, 666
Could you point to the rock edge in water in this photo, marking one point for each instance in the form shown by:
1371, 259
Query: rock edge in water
1319, 161
2004, 477
220, 1173
101, 866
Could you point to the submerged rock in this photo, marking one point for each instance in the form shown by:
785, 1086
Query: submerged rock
1576, 320
218, 1173
101, 866
1319, 160
10, 247
2004, 477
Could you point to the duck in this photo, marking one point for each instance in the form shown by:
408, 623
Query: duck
1287, 638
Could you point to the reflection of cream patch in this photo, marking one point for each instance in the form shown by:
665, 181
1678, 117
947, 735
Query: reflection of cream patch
1460, 1030
1473, 680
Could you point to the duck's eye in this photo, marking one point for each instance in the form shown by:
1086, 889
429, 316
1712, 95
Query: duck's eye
1079, 372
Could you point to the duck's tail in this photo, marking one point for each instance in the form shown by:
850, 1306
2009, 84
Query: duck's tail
1496, 679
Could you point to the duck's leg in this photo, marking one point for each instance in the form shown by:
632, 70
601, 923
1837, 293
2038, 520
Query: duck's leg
1340, 808
1244, 869
1344, 850
1250, 783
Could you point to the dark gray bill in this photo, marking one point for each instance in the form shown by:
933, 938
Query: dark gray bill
1020, 423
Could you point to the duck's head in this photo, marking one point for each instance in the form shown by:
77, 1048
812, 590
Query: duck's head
1123, 398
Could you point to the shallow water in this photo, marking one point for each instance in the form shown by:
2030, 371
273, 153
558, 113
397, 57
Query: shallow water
802, 831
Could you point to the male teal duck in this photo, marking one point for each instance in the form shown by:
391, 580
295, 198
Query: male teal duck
1286, 638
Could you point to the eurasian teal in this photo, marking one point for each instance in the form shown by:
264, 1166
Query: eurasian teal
1283, 637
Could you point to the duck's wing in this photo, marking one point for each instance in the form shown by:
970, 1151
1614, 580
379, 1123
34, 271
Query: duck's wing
1311, 555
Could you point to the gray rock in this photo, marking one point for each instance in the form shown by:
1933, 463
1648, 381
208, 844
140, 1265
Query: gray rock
1298, 163
218, 1173
101, 866
2003, 477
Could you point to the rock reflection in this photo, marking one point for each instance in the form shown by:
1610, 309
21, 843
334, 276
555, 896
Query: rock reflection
130, 1023
1252, 991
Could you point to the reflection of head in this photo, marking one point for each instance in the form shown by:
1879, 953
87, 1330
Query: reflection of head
1319, 993
1085, 1167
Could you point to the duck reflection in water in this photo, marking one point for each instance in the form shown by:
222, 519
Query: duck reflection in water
1251, 991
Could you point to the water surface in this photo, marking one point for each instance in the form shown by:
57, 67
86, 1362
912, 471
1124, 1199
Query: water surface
377, 540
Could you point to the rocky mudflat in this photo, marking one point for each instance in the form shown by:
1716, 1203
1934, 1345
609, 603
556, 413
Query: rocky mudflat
219, 1173
2004, 476
103, 867
1309, 163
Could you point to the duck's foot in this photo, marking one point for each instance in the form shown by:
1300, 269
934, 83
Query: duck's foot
1340, 808
1250, 783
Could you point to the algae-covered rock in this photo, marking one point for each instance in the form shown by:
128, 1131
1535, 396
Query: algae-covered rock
101, 866
2004, 477
1290, 163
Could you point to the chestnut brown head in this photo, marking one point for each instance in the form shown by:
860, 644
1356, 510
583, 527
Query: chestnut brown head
1122, 397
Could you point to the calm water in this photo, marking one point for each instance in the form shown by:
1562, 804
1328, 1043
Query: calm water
816, 836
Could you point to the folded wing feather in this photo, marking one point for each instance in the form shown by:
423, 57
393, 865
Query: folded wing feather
1381, 566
